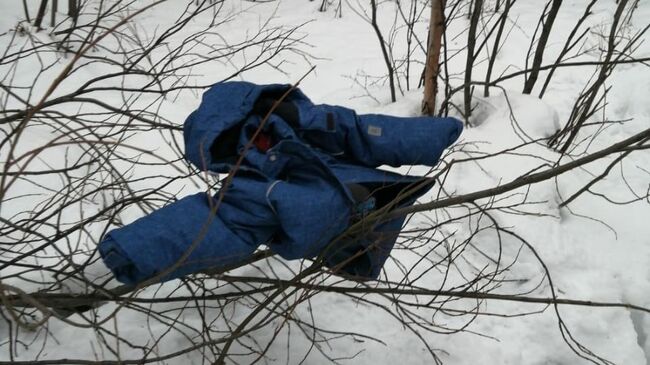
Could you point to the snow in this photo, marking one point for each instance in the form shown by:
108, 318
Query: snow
594, 249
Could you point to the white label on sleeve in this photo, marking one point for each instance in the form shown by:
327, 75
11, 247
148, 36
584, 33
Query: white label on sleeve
373, 130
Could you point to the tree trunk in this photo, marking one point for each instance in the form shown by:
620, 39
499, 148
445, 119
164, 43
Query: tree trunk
568, 45
26, 9
382, 44
471, 45
73, 9
55, 6
431, 70
541, 46
497, 45
41, 14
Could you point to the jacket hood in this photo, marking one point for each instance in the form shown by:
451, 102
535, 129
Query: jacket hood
223, 107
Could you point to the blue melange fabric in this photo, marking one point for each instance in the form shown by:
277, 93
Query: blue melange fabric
293, 197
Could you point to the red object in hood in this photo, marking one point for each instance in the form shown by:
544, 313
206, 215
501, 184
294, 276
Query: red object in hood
263, 142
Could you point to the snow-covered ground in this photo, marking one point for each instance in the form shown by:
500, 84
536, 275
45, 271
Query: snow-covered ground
594, 249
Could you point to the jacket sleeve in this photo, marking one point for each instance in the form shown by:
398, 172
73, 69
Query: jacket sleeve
395, 141
187, 236
374, 139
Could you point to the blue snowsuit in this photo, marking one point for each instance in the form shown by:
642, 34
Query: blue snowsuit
315, 178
